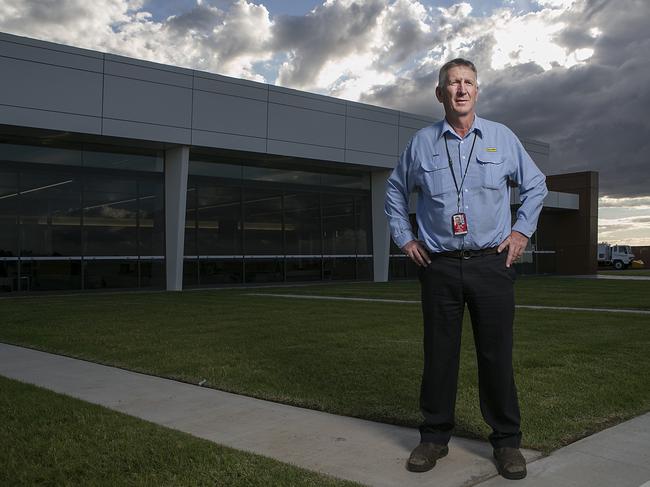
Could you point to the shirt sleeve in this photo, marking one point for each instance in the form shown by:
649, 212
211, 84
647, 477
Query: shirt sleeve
398, 189
532, 191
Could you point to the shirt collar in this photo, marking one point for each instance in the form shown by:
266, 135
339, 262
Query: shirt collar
477, 125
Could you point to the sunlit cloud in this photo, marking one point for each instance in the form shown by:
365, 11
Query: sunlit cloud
638, 203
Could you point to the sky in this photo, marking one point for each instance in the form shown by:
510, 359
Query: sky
573, 73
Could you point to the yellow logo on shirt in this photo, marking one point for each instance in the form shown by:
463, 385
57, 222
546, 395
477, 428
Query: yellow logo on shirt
491, 149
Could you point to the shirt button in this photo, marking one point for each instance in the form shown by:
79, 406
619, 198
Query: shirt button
466, 190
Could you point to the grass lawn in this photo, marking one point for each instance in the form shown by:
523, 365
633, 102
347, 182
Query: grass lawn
626, 272
51, 439
577, 372
532, 290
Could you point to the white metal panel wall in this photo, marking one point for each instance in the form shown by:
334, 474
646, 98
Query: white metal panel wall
306, 125
50, 86
147, 101
371, 135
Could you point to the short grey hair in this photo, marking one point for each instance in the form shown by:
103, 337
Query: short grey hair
442, 75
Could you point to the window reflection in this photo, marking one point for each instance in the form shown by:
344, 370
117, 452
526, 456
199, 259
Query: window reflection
50, 214
291, 228
302, 224
263, 222
339, 233
65, 224
110, 216
219, 220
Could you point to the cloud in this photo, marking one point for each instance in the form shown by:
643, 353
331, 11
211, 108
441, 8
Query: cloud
227, 37
633, 230
593, 112
642, 202
330, 32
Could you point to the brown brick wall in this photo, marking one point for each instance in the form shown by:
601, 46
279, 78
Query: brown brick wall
573, 234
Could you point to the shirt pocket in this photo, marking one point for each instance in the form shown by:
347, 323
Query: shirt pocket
435, 177
493, 170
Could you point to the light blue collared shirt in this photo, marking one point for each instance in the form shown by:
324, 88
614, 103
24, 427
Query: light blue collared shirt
498, 156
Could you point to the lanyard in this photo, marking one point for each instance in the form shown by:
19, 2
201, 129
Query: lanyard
451, 167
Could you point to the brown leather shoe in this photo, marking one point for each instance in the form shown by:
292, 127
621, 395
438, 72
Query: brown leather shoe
424, 456
510, 463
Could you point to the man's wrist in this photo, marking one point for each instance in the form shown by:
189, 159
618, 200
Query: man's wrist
520, 228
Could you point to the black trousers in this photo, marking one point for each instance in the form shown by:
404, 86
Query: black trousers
486, 285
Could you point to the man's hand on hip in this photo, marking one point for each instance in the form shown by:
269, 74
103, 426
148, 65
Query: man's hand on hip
516, 244
417, 253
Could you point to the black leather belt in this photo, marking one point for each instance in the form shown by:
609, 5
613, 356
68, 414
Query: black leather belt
468, 254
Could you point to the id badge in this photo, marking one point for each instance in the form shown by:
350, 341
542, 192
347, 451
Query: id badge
459, 224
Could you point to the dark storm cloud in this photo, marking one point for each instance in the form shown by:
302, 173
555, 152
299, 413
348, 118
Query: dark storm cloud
202, 18
330, 31
594, 115
415, 94
51, 12
405, 36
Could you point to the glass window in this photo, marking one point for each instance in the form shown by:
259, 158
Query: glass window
363, 224
110, 273
219, 220
215, 169
152, 273
281, 175
304, 269
190, 272
8, 274
190, 247
302, 224
8, 214
52, 217
151, 218
264, 270
350, 181
49, 275
40, 154
364, 268
263, 222
110, 216
121, 161
339, 235
342, 268
50, 214
401, 267
220, 271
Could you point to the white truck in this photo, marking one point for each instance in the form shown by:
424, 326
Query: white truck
619, 256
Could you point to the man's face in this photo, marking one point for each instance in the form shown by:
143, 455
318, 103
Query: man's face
460, 93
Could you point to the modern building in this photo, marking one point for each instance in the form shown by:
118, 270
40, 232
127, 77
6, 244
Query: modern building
121, 173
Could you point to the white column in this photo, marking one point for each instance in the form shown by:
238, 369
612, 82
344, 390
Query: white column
380, 230
176, 165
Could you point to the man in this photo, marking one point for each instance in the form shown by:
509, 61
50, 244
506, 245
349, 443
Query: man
462, 168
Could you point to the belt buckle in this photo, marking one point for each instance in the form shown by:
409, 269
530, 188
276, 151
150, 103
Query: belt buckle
465, 254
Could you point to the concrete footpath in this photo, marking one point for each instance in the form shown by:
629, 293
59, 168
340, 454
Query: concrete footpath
363, 451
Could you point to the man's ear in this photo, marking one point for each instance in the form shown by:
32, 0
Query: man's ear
439, 94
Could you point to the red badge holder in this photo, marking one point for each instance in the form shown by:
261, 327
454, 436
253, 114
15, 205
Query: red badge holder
459, 224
